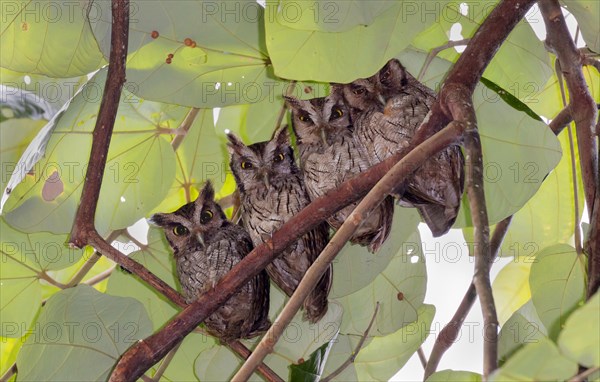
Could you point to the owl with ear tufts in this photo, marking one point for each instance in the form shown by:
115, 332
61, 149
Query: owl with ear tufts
272, 191
206, 246
387, 109
330, 155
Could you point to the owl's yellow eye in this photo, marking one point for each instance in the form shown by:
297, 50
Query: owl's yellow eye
304, 118
180, 230
205, 216
279, 157
336, 112
246, 165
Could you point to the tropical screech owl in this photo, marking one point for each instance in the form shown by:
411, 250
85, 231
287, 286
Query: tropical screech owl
206, 246
330, 155
387, 108
272, 191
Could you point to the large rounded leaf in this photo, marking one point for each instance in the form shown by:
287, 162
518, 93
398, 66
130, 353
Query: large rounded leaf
523, 327
557, 285
318, 56
587, 14
81, 335
52, 39
536, 361
399, 289
139, 170
222, 63
511, 288
580, 337
454, 375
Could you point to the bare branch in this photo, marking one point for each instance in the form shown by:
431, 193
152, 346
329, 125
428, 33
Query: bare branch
583, 107
184, 127
583, 375
435, 51
562, 120
449, 334
9, 373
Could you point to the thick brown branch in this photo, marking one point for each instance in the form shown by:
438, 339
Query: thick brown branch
562, 120
86, 211
401, 170
583, 107
449, 334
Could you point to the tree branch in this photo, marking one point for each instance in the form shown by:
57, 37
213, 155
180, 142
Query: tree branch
479, 52
86, 211
583, 107
449, 334
562, 120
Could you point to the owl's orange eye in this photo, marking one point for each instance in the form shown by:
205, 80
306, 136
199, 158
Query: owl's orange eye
180, 230
279, 157
206, 216
336, 112
246, 165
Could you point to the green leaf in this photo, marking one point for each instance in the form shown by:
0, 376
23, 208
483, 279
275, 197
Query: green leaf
384, 356
511, 288
354, 268
139, 170
81, 335
579, 339
523, 327
51, 39
228, 63
318, 56
399, 289
328, 16
587, 13
510, 99
454, 375
537, 361
311, 369
557, 285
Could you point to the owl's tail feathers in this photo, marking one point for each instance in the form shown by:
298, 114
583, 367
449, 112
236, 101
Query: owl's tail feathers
438, 218
315, 304
379, 226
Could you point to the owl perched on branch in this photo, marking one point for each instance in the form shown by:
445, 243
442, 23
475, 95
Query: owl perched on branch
272, 191
206, 246
330, 155
387, 109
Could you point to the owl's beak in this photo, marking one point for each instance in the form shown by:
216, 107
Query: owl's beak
200, 238
323, 135
381, 99
264, 176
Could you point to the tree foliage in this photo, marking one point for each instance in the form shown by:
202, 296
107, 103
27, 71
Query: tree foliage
198, 68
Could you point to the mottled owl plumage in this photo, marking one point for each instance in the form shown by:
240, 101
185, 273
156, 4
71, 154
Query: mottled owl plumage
387, 108
272, 191
330, 155
206, 246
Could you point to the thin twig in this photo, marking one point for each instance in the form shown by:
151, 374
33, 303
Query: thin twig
164, 364
562, 120
588, 61
100, 277
42, 275
583, 107
359, 346
91, 261
435, 51
403, 168
422, 357
184, 128
288, 93
449, 334
9, 373
577, 228
583, 375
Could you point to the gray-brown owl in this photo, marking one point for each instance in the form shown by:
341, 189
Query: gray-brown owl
330, 155
387, 108
272, 191
206, 246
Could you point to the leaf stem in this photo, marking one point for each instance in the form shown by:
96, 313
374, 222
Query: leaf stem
359, 346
